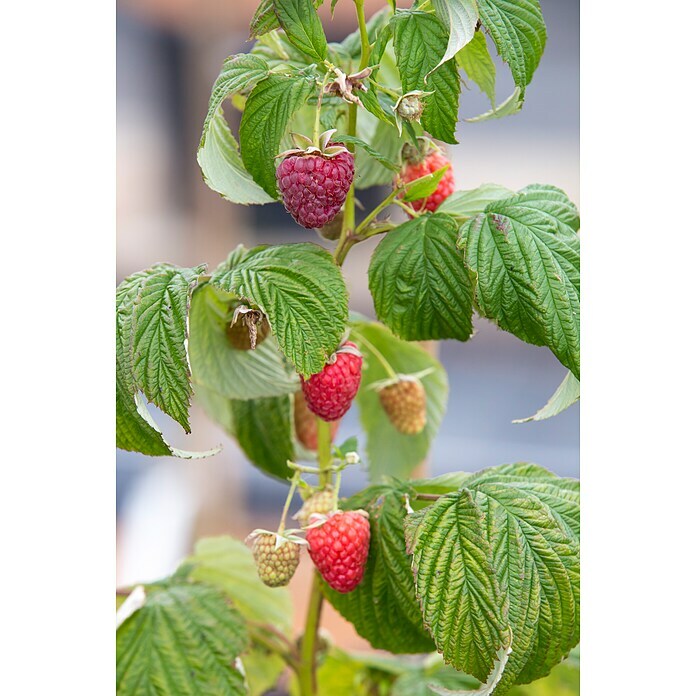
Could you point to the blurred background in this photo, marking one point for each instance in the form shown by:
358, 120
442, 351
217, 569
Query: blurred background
168, 55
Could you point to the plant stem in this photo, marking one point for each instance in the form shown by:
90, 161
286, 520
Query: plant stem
324, 451
387, 367
288, 500
306, 674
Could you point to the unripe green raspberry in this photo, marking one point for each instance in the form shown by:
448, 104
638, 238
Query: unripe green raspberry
276, 564
321, 503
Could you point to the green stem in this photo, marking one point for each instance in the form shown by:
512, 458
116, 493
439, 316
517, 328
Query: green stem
288, 500
388, 368
306, 674
324, 452
384, 204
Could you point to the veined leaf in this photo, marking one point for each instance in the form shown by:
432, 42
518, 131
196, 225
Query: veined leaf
526, 254
158, 338
228, 565
303, 27
303, 294
519, 33
381, 134
420, 40
217, 365
385, 161
461, 17
383, 608
462, 604
268, 110
424, 186
184, 640
391, 453
466, 204
420, 286
564, 397
477, 63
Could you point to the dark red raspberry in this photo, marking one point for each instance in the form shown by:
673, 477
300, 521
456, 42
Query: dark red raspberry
330, 392
339, 549
314, 186
416, 166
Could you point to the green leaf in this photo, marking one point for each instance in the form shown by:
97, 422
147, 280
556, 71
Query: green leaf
264, 20
228, 565
383, 608
158, 337
351, 44
453, 566
368, 171
391, 453
461, 16
465, 204
564, 397
519, 33
217, 365
424, 186
385, 161
526, 254
303, 27
420, 286
420, 40
303, 294
511, 106
476, 61
184, 640
264, 431
267, 113
533, 528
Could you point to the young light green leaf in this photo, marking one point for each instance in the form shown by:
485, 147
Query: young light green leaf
420, 40
382, 159
391, 453
302, 292
217, 365
564, 397
424, 186
456, 584
383, 608
228, 565
461, 17
526, 254
184, 640
268, 110
303, 27
512, 105
477, 63
519, 33
159, 331
466, 204
264, 431
419, 284
382, 134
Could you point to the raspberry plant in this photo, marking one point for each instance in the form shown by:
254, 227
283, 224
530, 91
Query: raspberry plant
473, 576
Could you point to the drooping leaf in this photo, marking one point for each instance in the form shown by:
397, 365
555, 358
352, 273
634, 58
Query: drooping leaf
266, 115
477, 63
512, 105
303, 27
424, 186
420, 40
460, 16
419, 284
465, 204
184, 640
526, 254
303, 294
564, 397
383, 608
228, 565
519, 33
263, 428
217, 365
385, 161
391, 453
158, 335
453, 566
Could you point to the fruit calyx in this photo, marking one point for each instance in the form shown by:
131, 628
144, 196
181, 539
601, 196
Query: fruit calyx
322, 146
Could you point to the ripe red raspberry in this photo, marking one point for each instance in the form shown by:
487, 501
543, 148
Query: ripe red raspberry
404, 403
314, 182
421, 164
276, 558
330, 392
339, 549
306, 423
